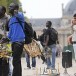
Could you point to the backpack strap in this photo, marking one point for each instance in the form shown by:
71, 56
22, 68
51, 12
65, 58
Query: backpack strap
20, 22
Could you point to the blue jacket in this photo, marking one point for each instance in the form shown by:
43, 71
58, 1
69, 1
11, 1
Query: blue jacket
15, 30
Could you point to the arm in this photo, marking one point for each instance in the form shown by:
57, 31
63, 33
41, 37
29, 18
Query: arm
46, 40
69, 39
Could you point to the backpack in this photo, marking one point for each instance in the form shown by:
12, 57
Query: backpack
53, 35
28, 31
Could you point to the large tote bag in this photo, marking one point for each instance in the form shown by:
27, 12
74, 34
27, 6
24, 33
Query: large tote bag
69, 48
67, 55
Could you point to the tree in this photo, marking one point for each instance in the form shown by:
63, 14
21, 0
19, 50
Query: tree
7, 2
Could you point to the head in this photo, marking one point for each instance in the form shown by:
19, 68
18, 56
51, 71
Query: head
74, 15
48, 24
2, 11
74, 20
13, 8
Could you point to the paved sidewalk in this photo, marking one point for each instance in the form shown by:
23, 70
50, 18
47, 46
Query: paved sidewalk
40, 68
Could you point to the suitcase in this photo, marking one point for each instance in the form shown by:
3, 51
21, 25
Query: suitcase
66, 59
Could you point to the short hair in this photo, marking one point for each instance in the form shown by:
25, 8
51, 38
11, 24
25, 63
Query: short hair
2, 8
49, 22
14, 6
74, 15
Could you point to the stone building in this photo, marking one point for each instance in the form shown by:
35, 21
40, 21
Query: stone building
68, 12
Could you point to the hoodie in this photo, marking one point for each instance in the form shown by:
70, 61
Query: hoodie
16, 33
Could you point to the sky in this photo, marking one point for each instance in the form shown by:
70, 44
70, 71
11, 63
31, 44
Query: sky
43, 8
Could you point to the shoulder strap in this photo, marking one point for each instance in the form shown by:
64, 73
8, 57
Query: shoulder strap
20, 23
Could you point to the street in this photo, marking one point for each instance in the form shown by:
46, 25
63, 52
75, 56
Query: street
41, 70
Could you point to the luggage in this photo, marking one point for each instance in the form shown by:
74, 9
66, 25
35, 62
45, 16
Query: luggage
66, 59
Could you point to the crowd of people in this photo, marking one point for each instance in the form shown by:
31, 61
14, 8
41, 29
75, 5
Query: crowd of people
12, 32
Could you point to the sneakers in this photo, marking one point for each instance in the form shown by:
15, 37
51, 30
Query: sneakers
33, 68
29, 67
53, 68
50, 68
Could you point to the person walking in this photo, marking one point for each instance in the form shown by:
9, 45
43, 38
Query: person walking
28, 56
50, 41
42, 38
74, 34
4, 64
16, 36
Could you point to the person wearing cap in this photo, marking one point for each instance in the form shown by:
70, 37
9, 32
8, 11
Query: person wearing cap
4, 64
16, 37
74, 34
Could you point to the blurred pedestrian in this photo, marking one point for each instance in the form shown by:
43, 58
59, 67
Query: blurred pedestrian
74, 34
42, 38
50, 41
4, 64
28, 56
16, 36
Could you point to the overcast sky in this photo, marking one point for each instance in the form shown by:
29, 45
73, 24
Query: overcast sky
43, 8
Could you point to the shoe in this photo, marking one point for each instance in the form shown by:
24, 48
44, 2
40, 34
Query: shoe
48, 68
28, 67
33, 68
53, 68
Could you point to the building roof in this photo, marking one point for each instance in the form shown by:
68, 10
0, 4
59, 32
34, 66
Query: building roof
70, 8
41, 22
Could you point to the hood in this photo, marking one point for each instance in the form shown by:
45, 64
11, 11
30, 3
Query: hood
20, 16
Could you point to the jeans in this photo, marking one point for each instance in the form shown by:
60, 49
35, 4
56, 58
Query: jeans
10, 66
17, 48
51, 60
28, 61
